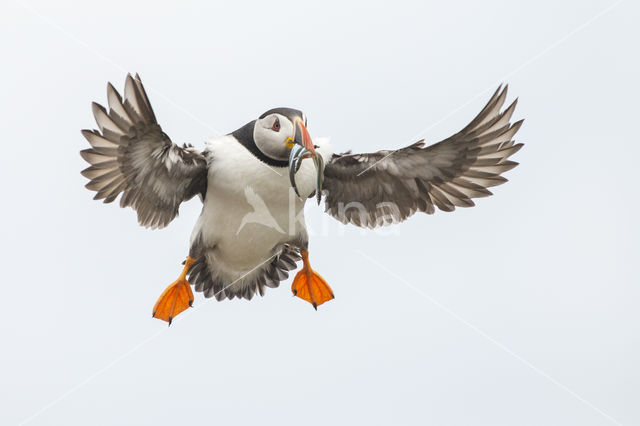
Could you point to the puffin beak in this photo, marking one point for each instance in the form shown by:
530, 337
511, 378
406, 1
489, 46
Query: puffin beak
302, 137
303, 148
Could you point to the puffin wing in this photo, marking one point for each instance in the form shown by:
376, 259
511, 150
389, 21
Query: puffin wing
384, 187
132, 156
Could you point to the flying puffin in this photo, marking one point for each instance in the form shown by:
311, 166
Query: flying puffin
254, 183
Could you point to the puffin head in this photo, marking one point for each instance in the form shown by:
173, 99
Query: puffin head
281, 134
277, 130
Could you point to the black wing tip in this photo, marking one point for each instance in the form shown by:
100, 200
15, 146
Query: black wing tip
112, 89
518, 123
503, 88
511, 108
84, 154
134, 78
508, 166
96, 106
515, 148
86, 132
85, 172
499, 92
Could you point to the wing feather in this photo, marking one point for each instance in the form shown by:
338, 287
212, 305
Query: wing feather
117, 111
389, 186
132, 156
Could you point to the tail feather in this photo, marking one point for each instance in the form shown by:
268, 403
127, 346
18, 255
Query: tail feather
205, 278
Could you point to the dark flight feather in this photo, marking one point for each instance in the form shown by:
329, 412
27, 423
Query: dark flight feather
132, 156
384, 187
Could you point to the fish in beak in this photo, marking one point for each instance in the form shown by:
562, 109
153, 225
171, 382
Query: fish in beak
303, 148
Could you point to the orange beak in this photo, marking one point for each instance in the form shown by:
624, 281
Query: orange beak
302, 137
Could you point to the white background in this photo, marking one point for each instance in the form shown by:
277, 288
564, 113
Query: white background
523, 311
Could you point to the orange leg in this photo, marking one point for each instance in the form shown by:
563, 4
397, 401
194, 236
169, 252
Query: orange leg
175, 298
309, 285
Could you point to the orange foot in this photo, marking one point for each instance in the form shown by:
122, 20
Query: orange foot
175, 298
309, 285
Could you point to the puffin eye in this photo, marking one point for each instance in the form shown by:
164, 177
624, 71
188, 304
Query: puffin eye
276, 125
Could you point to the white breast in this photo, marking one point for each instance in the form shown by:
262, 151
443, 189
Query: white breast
250, 207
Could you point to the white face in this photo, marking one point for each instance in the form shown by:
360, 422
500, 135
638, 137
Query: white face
274, 135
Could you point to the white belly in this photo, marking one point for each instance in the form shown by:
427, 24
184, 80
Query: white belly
250, 208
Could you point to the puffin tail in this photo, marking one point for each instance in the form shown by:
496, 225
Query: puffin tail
206, 276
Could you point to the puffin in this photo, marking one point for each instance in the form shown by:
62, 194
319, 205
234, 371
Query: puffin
254, 183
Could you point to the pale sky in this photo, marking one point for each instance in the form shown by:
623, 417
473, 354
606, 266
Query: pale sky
519, 311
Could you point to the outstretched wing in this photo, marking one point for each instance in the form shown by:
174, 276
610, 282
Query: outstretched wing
385, 187
132, 156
